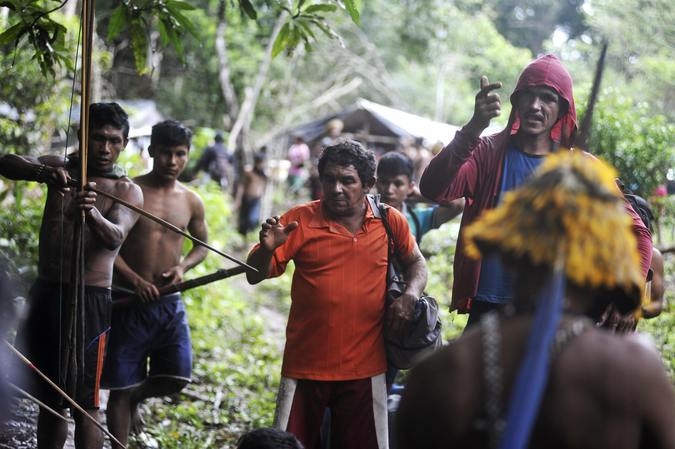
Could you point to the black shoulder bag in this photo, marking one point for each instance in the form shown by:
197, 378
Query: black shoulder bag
423, 334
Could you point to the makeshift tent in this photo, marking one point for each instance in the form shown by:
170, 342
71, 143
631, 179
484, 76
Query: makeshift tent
380, 126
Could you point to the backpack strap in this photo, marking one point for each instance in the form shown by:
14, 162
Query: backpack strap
380, 211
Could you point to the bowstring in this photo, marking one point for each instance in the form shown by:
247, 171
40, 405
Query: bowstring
61, 227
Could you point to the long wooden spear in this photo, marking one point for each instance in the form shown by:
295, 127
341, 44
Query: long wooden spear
61, 393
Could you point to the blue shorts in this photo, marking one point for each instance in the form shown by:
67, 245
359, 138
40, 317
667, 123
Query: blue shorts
148, 340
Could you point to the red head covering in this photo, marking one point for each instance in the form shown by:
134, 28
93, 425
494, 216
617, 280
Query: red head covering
548, 71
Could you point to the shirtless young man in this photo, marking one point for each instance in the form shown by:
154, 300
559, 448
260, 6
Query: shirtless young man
107, 225
249, 195
155, 327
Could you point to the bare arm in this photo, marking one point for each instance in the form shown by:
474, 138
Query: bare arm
402, 310
443, 214
656, 397
112, 229
272, 235
415, 273
655, 306
47, 169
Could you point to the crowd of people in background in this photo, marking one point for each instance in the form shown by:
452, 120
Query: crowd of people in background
549, 252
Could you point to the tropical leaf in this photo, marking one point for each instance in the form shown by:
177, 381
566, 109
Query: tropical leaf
118, 21
281, 41
353, 8
321, 7
178, 4
13, 33
248, 9
139, 44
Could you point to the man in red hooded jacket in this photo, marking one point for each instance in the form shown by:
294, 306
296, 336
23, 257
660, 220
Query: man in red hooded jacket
481, 169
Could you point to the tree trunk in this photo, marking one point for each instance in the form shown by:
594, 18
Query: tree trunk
229, 94
245, 116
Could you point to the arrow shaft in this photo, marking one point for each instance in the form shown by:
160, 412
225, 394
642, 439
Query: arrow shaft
171, 226
62, 393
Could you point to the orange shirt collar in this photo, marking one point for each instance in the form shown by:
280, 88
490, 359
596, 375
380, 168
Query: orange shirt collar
320, 220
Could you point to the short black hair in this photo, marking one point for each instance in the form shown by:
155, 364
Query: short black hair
219, 137
395, 163
346, 153
268, 438
102, 114
170, 133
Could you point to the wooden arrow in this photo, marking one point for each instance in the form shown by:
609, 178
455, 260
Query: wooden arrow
62, 393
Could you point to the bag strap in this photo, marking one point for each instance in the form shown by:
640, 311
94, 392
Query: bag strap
380, 211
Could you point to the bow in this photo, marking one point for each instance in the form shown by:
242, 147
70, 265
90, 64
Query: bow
72, 328
585, 128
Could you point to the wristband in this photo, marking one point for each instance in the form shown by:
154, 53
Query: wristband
40, 172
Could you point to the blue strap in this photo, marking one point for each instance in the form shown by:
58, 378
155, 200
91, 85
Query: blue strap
532, 376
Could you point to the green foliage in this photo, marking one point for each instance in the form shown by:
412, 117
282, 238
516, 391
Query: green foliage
33, 108
138, 16
438, 247
303, 18
32, 22
662, 328
20, 219
639, 144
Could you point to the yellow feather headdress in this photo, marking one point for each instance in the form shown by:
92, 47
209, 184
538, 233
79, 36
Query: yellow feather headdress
571, 205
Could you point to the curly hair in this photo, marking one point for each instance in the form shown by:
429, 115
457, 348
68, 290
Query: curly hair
346, 153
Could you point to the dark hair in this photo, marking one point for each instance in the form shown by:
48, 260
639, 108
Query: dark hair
268, 438
259, 156
642, 208
102, 114
219, 137
170, 133
394, 163
346, 153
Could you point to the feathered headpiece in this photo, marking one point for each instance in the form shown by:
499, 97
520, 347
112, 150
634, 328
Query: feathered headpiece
571, 205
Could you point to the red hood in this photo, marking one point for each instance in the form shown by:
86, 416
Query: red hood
548, 71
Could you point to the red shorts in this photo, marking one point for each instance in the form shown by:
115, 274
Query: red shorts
358, 410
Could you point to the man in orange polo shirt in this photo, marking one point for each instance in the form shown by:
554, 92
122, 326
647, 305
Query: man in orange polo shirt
334, 356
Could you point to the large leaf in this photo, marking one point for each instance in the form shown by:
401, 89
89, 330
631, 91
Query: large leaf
178, 4
353, 8
12, 33
139, 44
248, 9
321, 7
118, 21
281, 42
